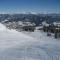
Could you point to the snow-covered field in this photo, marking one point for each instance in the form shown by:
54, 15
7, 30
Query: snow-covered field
27, 46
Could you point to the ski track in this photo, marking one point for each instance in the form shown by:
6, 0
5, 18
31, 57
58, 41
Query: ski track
34, 46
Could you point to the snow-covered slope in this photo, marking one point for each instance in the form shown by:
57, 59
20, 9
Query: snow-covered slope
34, 46
11, 39
45, 48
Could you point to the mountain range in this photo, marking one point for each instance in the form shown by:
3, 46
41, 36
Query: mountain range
35, 18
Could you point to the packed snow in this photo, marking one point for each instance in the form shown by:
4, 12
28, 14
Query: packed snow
27, 46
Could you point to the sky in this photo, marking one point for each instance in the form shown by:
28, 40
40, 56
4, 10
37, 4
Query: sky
35, 6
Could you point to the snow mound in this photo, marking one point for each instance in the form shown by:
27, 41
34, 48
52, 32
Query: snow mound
2, 27
5, 29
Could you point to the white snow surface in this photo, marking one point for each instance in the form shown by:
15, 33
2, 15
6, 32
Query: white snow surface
29, 46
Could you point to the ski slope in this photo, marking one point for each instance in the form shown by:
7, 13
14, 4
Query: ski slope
32, 46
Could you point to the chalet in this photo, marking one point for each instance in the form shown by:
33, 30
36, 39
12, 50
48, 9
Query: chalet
57, 32
45, 26
57, 29
28, 26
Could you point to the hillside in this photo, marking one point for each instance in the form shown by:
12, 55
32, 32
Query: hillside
34, 18
32, 46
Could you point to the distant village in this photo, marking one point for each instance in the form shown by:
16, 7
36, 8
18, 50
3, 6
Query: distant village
20, 25
53, 28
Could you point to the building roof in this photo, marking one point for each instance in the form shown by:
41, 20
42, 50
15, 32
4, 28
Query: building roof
56, 24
